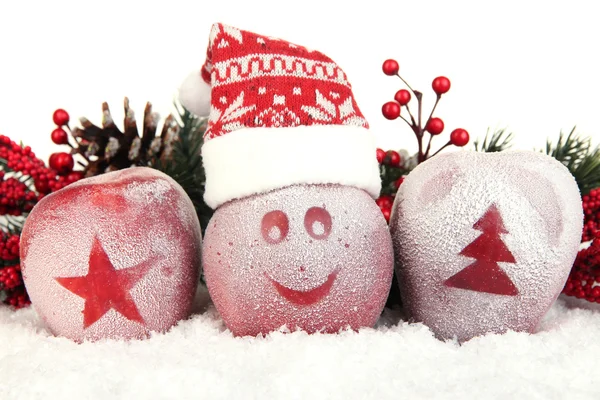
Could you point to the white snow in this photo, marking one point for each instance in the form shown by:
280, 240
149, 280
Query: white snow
199, 358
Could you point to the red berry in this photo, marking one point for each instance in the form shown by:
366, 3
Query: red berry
390, 67
385, 201
393, 158
387, 213
64, 163
399, 182
435, 126
380, 156
52, 161
391, 110
459, 137
59, 136
440, 85
42, 186
74, 176
402, 96
60, 117
568, 286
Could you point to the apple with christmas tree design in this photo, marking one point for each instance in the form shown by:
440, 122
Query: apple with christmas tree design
484, 242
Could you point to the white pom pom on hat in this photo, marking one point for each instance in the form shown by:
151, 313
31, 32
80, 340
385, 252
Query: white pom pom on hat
194, 94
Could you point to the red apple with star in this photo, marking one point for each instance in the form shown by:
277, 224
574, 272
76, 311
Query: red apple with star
113, 256
312, 257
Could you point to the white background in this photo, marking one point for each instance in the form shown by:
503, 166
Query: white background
532, 67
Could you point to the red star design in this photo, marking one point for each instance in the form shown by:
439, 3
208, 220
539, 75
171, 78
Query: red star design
104, 287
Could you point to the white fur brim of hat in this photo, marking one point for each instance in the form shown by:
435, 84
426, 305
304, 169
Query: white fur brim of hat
257, 160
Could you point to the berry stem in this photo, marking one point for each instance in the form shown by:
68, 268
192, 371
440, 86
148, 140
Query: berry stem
442, 148
414, 123
419, 97
437, 100
68, 128
420, 140
419, 127
406, 83
408, 122
428, 146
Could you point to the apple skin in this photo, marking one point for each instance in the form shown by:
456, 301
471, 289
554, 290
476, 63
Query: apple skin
436, 226
139, 216
313, 257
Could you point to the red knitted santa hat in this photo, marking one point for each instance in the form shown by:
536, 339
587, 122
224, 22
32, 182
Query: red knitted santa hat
278, 115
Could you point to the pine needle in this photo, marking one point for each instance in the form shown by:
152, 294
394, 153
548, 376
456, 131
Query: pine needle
499, 141
577, 154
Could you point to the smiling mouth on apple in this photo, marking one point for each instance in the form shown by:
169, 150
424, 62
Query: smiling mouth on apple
306, 298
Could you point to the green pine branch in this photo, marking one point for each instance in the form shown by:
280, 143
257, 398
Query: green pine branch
500, 140
577, 154
569, 149
12, 225
185, 165
389, 175
8, 223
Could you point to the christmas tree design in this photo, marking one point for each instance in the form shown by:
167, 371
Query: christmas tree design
485, 275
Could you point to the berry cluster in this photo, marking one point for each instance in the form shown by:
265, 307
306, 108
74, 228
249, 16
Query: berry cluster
62, 162
9, 247
591, 209
15, 197
433, 125
11, 280
584, 279
17, 165
392, 170
24, 181
10, 277
20, 164
385, 203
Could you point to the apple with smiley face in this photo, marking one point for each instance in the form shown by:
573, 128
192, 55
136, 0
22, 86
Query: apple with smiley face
314, 257
291, 171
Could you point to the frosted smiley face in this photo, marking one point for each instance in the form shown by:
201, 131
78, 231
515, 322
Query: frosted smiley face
275, 228
315, 257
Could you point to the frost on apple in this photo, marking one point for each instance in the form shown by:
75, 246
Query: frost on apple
485, 242
314, 257
113, 256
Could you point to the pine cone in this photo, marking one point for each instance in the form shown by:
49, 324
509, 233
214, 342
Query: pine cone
108, 149
176, 151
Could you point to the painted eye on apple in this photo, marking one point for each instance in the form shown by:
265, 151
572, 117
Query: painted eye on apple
317, 223
275, 226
